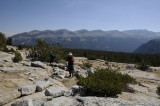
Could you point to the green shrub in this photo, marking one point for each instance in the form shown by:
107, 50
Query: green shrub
9, 41
88, 65
20, 47
2, 41
106, 62
17, 57
91, 57
143, 66
11, 50
158, 88
8, 50
105, 82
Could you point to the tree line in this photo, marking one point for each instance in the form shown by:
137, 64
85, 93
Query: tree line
133, 58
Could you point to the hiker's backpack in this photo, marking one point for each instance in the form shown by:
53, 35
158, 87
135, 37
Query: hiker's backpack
70, 60
36, 54
52, 55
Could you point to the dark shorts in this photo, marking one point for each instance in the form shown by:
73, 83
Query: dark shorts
71, 69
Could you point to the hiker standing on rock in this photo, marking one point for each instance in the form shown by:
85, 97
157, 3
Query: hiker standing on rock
52, 57
36, 56
70, 60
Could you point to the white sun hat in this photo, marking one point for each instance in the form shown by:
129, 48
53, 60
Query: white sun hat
70, 54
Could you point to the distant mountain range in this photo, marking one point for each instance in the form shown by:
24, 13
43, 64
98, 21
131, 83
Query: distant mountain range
114, 40
151, 47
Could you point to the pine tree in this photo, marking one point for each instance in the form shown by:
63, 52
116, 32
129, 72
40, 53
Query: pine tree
2, 41
9, 41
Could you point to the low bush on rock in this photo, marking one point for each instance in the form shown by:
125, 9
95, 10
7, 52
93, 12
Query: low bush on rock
105, 82
2, 41
8, 50
17, 57
88, 65
91, 57
143, 66
158, 89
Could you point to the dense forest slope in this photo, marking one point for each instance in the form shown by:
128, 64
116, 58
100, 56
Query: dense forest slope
151, 47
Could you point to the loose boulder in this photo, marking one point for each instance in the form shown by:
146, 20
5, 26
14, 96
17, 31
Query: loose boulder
152, 69
91, 70
23, 103
55, 91
6, 98
63, 101
38, 64
130, 66
60, 73
40, 85
73, 91
26, 90
60, 65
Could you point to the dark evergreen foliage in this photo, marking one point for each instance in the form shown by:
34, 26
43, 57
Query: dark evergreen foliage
105, 82
149, 59
8, 50
2, 41
9, 41
88, 65
20, 47
143, 66
158, 89
17, 57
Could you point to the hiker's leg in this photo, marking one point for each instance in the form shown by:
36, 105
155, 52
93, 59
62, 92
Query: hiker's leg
50, 60
72, 74
69, 73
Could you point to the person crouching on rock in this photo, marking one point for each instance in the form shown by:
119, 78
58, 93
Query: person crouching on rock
70, 60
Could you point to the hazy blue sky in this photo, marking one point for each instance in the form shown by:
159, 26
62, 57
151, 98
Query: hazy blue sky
25, 15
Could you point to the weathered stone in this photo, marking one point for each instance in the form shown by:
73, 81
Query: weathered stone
63, 101
40, 85
38, 64
68, 92
99, 101
28, 89
100, 60
73, 91
152, 69
55, 91
6, 56
38, 103
130, 66
60, 65
5, 98
23, 103
25, 63
58, 70
31, 79
60, 76
91, 70
81, 72
60, 73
